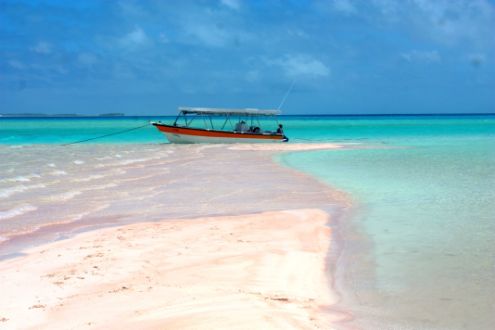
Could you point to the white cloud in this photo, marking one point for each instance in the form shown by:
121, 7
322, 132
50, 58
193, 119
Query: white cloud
344, 6
445, 21
431, 56
232, 4
134, 39
17, 64
209, 33
60, 69
388, 8
163, 38
87, 59
297, 33
252, 75
131, 9
42, 47
213, 28
302, 66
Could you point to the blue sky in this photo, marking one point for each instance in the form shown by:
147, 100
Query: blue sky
345, 56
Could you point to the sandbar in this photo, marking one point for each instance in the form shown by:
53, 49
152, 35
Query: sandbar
286, 146
256, 271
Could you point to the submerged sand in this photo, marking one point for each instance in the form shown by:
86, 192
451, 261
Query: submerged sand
236, 241
286, 146
54, 191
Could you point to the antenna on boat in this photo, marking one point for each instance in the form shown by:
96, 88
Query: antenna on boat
286, 94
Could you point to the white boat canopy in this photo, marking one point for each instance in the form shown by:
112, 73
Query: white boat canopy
212, 111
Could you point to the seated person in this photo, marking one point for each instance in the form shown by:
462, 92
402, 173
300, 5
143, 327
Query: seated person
254, 129
280, 129
240, 126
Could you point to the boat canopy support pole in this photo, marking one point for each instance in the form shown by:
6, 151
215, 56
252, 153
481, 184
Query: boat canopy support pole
225, 122
177, 118
205, 122
188, 123
211, 122
185, 120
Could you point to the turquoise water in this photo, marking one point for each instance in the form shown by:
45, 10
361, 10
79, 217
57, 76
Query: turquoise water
298, 128
419, 245
425, 203
66, 130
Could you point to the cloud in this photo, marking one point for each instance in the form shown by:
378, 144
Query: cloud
302, 66
431, 56
42, 47
87, 59
388, 8
209, 33
477, 60
163, 38
252, 76
16, 64
131, 9
232, 4
135, 39
344, 6
445, 21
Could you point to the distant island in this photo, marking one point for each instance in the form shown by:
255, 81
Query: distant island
111, 114
58, 115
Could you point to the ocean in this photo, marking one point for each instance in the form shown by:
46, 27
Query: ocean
424, 215
417, 245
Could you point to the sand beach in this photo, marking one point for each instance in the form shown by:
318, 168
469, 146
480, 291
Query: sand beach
263, 271
245, 243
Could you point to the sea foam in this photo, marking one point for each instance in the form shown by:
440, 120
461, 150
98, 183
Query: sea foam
20, 178
58, 173
7, 192
89, 178
17, 211
63, 197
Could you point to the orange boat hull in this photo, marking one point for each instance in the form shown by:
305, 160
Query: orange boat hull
176, 134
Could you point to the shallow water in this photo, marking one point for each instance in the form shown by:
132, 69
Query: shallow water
425, 204
50, 191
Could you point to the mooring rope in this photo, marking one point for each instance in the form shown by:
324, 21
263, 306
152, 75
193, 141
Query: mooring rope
311, 140
105, 135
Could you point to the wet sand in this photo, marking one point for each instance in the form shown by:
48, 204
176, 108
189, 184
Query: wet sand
57, 191
236, 241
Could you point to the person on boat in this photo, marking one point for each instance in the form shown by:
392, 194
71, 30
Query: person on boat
280, 129
254, 129
240, 126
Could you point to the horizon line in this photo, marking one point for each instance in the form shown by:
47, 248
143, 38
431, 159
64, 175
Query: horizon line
42, 115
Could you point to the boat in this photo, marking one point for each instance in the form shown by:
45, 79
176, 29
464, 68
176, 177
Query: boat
221, 126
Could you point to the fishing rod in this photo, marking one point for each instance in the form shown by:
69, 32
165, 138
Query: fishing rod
286, 94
